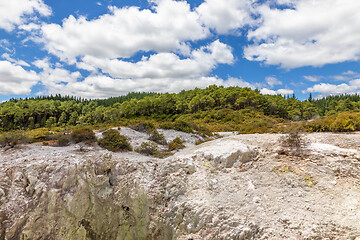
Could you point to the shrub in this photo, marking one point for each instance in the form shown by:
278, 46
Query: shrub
63, 140
293, 138
157, 137
179, 125
84, 134
293, 142
199, 141
148, 148
183, 126
40, 134
113, 141
13, 138
204, 131
175, 144
143, 127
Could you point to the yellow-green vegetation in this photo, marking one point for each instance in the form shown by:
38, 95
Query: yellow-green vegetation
63, 140
198, 142
151, 149
148, 148
83, 134
143, 126
157, 137
340, 122
293, 137
201, 111
223, 108
176, 144
113, 141
309, 181
283, 169
13, 138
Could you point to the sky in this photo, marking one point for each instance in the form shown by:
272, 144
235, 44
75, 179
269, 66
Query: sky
103, 48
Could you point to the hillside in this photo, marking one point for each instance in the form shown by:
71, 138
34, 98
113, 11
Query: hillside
236, 187
214, 106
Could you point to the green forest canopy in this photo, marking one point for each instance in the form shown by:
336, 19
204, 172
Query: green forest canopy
214, 104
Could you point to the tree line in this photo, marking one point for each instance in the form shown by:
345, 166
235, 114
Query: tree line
64, 110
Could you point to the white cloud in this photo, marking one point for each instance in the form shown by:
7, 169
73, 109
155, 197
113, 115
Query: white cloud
163, 72
313, 33
165, 65
17, 62
330, 89
100, 86
313, 78
30, 27
282, 92
225, 15
16, 80
350, 73
16, 12
54, 78
272, 81
125, 31
237, 82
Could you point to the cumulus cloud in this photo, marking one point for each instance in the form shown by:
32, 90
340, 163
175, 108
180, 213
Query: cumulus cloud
282, 92
330, 89
16, 80
163, 72
272, 81
165, 65
12, 60
101, 86
313, 78
16, 12
226, 15
54, 78
311, 33
345, 76
125, 31
237, 82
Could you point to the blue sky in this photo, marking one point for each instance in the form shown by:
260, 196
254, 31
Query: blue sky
98, 49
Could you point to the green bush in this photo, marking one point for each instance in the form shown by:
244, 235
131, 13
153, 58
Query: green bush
183, 126
63, 140
198, 142
148, 148
113, 141
157, 137
176, 144
293, 138
143, 127
83, 134
13, 138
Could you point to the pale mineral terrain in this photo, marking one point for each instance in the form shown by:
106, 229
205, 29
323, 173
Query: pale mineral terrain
234, 187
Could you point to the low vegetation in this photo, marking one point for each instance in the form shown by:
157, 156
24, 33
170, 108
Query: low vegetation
176, 144
143, 126
113, 141
63, 140
293, 141
10, 139
148, 148
201, 141
200, 111
157, 137
83, 134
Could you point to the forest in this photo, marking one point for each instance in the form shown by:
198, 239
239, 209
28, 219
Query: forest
215, 107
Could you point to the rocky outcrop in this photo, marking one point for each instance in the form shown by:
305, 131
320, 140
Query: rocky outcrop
237, 187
